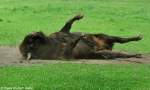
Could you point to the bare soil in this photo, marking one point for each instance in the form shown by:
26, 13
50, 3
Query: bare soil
11, 56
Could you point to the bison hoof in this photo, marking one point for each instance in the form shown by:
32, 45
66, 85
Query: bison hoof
138, 55
78, 17
139, 37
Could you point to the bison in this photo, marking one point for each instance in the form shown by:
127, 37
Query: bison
66, 45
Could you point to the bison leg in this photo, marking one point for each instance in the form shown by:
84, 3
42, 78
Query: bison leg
124, 40
107, 54
66, 28
115, 39
107, 42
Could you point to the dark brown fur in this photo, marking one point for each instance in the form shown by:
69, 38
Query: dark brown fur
63, 44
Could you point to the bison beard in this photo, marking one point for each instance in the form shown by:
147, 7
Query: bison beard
64, 45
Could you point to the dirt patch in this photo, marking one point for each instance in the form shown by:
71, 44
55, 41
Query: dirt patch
11, 56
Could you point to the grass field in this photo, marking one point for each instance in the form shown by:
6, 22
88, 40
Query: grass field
77, 77
113, 17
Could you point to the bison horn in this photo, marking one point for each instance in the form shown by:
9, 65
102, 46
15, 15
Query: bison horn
29, 56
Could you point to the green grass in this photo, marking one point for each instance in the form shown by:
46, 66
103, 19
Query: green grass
77, 77
113, 17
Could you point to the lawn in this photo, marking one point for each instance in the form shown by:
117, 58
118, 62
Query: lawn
113, 17
77, 77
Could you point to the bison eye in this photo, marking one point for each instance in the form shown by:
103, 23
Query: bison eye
30, 41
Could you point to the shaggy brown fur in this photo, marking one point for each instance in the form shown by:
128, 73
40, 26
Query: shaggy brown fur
63, 44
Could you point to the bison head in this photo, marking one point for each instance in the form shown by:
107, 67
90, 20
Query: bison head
31, 43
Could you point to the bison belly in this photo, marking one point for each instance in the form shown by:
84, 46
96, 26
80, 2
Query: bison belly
81, 50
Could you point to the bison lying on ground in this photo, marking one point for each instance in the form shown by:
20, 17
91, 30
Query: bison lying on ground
67, 45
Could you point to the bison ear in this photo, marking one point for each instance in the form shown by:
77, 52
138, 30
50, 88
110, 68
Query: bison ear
41, 37
26, 39
41, 34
